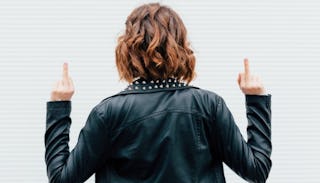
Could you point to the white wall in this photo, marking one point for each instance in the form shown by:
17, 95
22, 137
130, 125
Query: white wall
281, 38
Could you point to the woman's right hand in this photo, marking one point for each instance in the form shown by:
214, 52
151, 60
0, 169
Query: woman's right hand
63, 89
248, 83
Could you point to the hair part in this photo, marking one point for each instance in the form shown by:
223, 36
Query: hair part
154, 46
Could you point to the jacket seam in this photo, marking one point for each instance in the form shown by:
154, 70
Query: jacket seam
136, 121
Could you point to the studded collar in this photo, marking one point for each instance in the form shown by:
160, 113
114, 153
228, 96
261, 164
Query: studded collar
142, 86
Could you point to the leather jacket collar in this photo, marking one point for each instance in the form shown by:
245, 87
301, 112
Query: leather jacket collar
142, 85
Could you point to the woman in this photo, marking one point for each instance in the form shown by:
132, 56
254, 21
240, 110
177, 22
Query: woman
159, 129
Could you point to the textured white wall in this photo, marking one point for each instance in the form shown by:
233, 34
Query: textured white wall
281, 39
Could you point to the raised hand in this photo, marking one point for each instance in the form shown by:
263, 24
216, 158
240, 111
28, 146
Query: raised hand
248, 83
63, 89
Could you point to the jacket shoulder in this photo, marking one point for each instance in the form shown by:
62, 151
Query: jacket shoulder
207, 95
103, 108
205, 101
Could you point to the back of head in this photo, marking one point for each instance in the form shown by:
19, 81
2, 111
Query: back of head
154, 46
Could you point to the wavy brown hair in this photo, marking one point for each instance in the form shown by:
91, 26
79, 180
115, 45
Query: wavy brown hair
154, 46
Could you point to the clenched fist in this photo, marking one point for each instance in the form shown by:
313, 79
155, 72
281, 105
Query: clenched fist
63, 89
248, 83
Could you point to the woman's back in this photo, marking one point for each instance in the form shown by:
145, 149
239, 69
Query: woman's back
160, 136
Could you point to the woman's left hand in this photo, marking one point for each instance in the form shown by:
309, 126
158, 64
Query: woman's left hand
63, 89
250, 84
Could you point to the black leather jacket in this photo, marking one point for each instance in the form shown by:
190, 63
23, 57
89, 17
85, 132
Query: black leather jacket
159, 131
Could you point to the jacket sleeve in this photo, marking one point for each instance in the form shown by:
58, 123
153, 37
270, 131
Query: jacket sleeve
89, 152
251, 159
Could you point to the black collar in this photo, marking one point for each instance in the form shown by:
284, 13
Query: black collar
142, 85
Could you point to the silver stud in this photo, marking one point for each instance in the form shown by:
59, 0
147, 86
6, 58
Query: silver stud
151, 81
143, 82
156, 86
161, 86
184, 84
167, 85
163, 81
169, 80
150, 87
175, 80
137, 82
179, 84
157, 81
129, 88
137, 88
144, 88
173, 85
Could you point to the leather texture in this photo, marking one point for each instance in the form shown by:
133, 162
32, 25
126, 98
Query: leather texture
161, 135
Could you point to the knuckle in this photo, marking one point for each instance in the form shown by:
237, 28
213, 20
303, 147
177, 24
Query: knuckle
255, 87
70, 90
63, 92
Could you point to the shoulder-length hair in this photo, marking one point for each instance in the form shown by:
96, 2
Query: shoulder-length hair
154, 46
